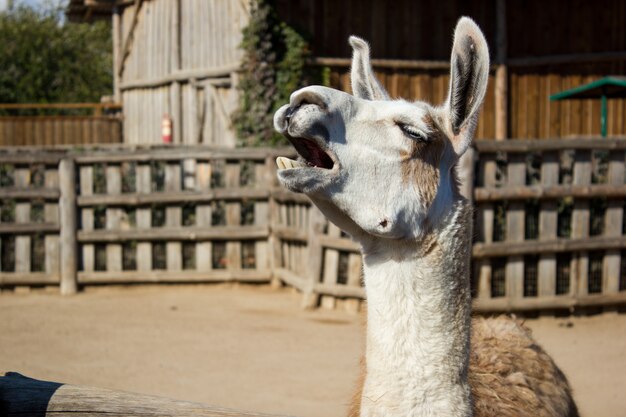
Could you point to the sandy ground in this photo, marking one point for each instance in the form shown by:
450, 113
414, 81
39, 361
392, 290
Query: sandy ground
250, 348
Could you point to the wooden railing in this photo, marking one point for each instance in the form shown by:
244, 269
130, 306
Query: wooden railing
549, 223
26, 124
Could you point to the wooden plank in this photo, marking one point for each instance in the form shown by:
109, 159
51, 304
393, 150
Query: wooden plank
113, 218
533, 145
175, 197
613, 225
261, 216
548, 220
580, 222
355, 274
173, 217
28, 192
204, 216
87, 218
51, 216
28, 278
484, 226
22, 216
233, 214
482, 250
144, 216
164, 276
515, 230
27, 227
177, 233
67, 208
25, 396
331, 266
524, 192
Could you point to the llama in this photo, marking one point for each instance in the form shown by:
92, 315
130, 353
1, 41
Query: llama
385, 172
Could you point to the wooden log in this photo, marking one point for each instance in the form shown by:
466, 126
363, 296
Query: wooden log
29, 193
28, 228
67, 209
23, 396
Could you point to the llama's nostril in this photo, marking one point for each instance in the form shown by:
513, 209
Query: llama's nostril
289, 113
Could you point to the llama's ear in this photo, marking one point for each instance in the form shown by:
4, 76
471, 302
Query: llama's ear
364, 82
469, 73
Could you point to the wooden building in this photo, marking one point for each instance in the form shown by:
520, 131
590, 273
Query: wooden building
180, 57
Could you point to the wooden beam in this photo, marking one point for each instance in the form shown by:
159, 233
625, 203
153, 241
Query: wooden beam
383, 63
534, 145
142, 199
485, 250
165, 276
35, 193
28, 278
176, 233
218, 76
26, 228
522, 192
67, 217
129, 39
501, 87
22, 396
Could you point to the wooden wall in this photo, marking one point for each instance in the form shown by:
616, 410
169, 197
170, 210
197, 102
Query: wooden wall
59, 130
180, 61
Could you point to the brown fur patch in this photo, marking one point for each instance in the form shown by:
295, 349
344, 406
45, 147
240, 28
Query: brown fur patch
420, 166
511, 376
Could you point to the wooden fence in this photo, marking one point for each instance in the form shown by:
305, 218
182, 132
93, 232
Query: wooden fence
549, 223
49, 124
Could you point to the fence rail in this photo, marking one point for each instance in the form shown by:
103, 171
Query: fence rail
549, 223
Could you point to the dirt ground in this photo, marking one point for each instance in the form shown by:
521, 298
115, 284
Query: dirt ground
250, 348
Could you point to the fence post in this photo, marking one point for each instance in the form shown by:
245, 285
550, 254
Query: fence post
314, 261
67, 208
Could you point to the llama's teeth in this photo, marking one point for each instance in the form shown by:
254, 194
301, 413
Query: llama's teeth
279, 162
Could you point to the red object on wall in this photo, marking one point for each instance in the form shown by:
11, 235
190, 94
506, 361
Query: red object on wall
166, 128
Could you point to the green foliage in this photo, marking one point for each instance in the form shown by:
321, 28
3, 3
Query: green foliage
273, 67
43, 59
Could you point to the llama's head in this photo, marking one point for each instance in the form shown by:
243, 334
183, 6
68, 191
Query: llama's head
380, 167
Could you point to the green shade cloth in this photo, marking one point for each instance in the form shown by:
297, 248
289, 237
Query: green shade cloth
610, 87
604, 88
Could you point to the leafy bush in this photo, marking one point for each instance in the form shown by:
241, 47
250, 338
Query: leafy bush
273, 67
44, 59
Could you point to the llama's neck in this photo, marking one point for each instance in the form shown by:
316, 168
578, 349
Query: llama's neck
419, 323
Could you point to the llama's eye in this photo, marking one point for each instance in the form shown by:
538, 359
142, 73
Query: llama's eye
412, 132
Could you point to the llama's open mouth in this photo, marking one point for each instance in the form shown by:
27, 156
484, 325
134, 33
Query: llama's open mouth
311, 155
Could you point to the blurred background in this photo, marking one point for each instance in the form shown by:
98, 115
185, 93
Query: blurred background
137, 171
